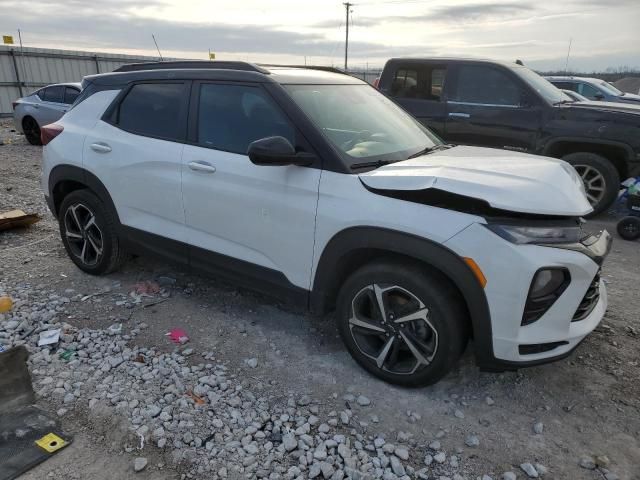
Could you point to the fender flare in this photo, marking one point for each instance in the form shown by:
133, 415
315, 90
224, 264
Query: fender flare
348, 241
593, 141
61, 173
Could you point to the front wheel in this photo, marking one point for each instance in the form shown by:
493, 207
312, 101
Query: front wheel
401, 323
599, 176
629, 228
88, 231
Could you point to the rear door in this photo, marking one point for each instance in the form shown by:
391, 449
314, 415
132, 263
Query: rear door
256, 223
136, 150
52, 106
419, 87
489, 106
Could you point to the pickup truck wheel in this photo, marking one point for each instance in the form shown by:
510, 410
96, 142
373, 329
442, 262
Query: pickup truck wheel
88, 231
402, 324
600, 177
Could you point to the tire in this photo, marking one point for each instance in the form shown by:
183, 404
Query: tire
441, 331
629, 228
31, 130
601, 179
93, 246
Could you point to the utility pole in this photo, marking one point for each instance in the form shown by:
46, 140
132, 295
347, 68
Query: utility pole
347, 7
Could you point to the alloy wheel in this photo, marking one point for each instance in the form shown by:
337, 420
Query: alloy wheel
391, 326
83, 235
594, 183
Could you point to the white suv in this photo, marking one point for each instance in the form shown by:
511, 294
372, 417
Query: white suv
312, 186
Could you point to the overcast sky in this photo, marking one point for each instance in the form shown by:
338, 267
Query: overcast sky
605, 33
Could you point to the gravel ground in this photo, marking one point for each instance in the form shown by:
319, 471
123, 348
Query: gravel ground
261, 391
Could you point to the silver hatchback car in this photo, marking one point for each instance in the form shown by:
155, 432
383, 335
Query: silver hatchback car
42, 107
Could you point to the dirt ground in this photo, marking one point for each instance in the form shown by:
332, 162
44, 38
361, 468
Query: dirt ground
589, 403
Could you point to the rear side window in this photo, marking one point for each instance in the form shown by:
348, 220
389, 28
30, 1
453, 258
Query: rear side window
70, 95
425, 82
589, 91
481, 84
153, 110
53, 94
230, 117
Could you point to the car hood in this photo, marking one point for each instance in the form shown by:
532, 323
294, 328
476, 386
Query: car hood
608, 106
516, 182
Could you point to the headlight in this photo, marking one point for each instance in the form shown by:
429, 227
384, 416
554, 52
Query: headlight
521, 234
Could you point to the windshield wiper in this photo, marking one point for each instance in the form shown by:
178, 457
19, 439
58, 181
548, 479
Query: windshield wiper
377, 163
442, 146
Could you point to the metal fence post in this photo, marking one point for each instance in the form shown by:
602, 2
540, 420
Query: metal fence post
15, 68
95, 57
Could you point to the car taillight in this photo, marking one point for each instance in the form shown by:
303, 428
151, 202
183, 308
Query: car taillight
376, 82
49, 132
14, 104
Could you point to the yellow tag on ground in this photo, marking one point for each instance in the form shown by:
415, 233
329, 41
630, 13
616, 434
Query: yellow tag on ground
5, 304
51, 442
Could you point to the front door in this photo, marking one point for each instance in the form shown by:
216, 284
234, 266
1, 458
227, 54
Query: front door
489, 107
255, 220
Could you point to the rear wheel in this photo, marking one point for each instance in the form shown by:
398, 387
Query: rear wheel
629, 228
600, 177
88, 231
31, 130
402, 324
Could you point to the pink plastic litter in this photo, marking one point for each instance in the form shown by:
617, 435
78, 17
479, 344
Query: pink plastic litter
177, 335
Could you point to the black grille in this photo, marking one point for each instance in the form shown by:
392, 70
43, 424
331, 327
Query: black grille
589, 301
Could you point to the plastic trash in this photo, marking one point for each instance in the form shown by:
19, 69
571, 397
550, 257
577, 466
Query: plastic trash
177, 335
6, 304
49, 337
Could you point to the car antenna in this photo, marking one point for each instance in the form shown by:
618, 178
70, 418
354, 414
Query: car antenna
154, 41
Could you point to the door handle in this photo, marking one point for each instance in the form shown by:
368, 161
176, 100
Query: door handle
459, 115
100, 147
200, 166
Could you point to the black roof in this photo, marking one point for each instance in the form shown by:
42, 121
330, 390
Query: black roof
222, 70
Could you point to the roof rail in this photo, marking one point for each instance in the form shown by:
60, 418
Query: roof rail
191, 64
310, 67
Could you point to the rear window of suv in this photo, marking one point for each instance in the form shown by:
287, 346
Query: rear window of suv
153, 110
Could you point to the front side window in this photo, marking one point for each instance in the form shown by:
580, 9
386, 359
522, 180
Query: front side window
361, 122
481, 84
590, 92
53, 94
231, 117
153, 110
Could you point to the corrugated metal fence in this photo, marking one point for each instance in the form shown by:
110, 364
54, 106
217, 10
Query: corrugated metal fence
25, 70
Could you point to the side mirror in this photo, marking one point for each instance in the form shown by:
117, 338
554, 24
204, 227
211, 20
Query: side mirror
598, 96
277, 151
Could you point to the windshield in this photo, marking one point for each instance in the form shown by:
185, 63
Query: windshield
609, 88
361, 123
541, 85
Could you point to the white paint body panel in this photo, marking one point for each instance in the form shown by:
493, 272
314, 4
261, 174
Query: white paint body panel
509, 270
260, 214
506, 180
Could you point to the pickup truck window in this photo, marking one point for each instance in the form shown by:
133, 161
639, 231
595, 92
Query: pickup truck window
425, 83
479, 84
589, 91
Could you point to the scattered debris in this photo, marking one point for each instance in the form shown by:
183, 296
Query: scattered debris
17, 218
177, 335
49, 337
139, 464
